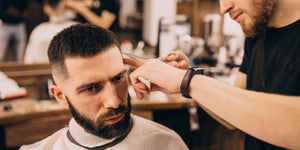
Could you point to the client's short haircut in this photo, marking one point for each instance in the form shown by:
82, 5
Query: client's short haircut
80, 40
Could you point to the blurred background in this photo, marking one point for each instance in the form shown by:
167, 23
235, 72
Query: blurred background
148, 28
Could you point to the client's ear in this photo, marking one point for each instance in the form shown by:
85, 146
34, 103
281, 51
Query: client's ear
59, 95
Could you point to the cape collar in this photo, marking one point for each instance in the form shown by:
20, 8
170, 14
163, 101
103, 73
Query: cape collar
77, 135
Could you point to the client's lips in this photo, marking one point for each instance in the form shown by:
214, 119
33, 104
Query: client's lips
114, 119
237, 17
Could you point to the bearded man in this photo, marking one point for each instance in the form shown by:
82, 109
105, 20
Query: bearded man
90, 79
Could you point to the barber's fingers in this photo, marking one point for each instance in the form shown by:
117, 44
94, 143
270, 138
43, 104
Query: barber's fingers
140, 89
182, 61
163, 77
182, 64
144, 67
176, 59
134, 62
177, 56
179, 65
171, 57
138, 94
173, 63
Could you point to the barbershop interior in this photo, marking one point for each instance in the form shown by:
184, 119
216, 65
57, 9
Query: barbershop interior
144, 29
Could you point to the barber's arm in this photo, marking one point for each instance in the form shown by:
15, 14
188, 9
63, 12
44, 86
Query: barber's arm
105, 20
180, 62
239, 82
270, 117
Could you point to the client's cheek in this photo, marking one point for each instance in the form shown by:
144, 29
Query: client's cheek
122, 90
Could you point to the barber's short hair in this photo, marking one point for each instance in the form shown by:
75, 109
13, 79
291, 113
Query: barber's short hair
80, 40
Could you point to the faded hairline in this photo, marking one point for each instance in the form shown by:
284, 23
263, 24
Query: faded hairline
59, 71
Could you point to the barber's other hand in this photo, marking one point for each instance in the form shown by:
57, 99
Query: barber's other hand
162, 76
176, 59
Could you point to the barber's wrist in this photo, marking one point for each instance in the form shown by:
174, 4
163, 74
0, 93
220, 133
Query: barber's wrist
181, 73
185, 83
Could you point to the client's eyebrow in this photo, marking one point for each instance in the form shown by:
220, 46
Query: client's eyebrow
122, 72
86, 85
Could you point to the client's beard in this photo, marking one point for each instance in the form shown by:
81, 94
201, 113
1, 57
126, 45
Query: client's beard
99, 128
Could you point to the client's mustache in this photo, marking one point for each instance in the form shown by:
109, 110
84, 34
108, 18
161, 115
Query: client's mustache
116, 111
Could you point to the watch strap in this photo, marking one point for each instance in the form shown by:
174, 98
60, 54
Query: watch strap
185, 83
187, 79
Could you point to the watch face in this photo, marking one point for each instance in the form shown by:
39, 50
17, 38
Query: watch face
197, 69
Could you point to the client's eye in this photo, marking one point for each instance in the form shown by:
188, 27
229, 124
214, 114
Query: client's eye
92, 89
118, 78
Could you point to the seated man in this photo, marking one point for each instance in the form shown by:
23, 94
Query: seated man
90, 79
40, 37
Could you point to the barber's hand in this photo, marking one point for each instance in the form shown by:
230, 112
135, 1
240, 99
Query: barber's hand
176, 59
163, 77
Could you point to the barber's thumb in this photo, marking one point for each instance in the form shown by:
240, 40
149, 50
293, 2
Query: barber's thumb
182, 65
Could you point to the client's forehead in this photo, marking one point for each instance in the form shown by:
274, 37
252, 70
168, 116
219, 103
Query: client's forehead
111, 54
103, 65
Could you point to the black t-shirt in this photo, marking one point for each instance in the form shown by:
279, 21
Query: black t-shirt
13, 11
112, 6
272, 65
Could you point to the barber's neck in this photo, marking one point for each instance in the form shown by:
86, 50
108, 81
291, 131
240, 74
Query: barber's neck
284, 13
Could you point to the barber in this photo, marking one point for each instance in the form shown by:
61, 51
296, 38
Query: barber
265, 99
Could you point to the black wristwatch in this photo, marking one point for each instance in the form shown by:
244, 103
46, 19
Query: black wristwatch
187, 78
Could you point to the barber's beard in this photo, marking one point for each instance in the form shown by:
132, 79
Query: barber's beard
99, 128
260, 18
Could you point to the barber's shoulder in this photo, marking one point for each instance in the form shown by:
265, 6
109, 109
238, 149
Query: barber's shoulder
46, 142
